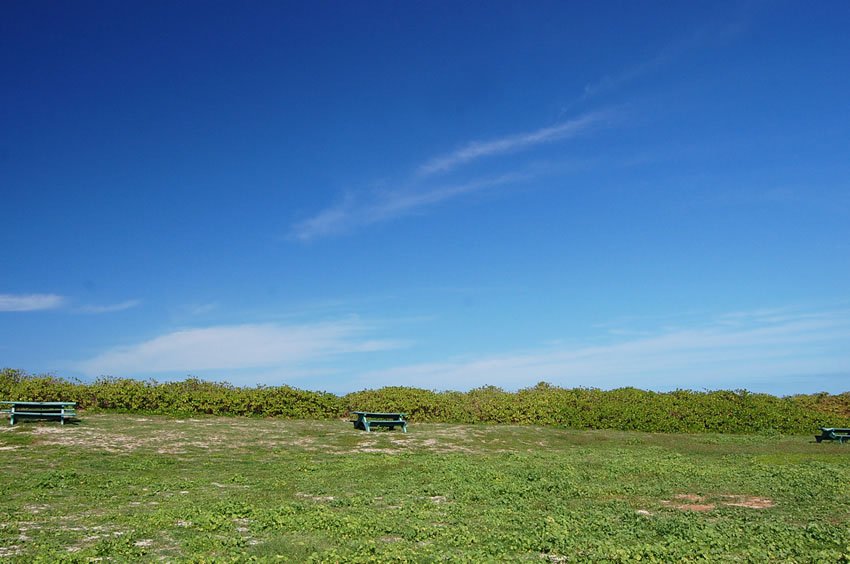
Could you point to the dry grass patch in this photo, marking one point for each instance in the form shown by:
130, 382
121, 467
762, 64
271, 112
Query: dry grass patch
694, 502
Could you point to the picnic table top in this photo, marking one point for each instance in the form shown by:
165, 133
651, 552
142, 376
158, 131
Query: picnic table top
40, 403
377, 414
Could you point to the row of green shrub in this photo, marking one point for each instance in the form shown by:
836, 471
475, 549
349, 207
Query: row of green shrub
681, 411
628, 409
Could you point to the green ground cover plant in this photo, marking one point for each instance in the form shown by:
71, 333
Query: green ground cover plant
629, 409
126, 487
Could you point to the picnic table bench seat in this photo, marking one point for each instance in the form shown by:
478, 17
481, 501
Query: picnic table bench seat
367, 419
833, 434
62, 410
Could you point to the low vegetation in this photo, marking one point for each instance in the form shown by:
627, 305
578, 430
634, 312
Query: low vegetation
626, 409
125, 487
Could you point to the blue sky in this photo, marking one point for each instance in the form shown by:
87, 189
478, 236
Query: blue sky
343, 195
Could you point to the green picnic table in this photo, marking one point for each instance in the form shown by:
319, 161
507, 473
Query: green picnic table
39, 409
833, 434
367, 419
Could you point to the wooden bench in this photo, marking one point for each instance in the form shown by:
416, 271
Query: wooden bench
62, 410
833, 434
367, 419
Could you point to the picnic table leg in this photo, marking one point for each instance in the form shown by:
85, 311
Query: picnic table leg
62, 416
12, 416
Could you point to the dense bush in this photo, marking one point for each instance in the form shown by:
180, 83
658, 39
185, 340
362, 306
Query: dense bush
681, 411
190, 396
630, 409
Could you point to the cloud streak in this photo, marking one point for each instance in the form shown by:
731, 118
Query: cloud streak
421, 191
30, 302
757, 348
385, 206
664, 57
109, 308
513, 143
236, 347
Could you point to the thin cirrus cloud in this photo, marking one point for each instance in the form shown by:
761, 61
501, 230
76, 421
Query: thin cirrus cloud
362, 210
30, 302
352, 212
236, 347
513, 143
700, 38
109, 308
756, 350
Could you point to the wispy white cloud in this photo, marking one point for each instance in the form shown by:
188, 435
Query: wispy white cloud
109, 308
759, 347
699, 39
30, 302
237, 347
200, 309
421, 190
513, 143
387, 205
613, 82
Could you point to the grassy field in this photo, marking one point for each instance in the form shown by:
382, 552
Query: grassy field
131, 487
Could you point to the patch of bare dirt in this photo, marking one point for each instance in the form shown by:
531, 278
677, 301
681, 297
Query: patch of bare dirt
219, 485
144, 542
748, 502
91, 438
436, 445
693, 503
696, 506
378, 450
164, 441
302, 442
460, 432
7, 551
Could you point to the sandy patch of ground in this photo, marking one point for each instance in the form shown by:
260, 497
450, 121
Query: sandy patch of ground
401, 443
7, 551
694, 502
689, 502
748, 501
163, 441
91, 438
218, 485
219, 434
144, 542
